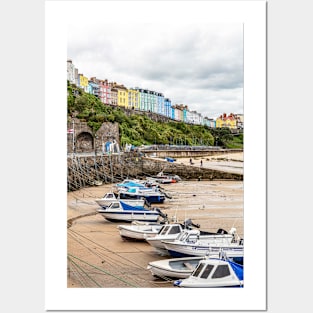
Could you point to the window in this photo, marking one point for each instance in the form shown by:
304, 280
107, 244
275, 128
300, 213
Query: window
198, 270
164, 230
221, 271
207, 271
192, 238
174, 230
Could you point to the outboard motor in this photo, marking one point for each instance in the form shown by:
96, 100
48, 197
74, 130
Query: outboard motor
189, 224
222, 231
161, 213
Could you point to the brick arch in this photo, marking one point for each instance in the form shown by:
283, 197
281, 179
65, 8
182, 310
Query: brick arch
84, 142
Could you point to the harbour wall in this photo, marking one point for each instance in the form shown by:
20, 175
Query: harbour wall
85, 171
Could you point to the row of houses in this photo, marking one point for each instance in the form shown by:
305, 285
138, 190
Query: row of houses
136, 98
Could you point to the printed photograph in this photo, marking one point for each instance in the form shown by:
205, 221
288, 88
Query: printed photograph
155, 156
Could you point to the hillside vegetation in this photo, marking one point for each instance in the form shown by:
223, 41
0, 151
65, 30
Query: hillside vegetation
138, 129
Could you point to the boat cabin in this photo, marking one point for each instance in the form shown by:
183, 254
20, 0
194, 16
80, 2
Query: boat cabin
214, 273
170, 229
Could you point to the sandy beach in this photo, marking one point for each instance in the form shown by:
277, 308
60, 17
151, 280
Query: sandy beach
98, 257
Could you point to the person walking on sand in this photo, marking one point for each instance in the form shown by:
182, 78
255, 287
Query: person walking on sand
201, 163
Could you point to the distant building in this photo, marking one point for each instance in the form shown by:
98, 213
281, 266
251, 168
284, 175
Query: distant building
133, 99
71, 72
167, 108
83, 82
104, 90
120, 94
225, 120
160, 105
146, 100
210, 122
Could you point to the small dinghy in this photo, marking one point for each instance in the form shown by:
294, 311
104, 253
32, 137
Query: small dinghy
174, 268
139, 231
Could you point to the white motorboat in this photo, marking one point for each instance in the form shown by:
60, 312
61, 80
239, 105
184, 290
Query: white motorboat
151, 195
121, 211
164, 179
191, 243
110, 197
214, 273
169, 232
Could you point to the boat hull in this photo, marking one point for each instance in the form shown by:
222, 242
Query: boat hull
158, 243
185, 250
238, 284
139, 232
130, 216
174, 268
104, 203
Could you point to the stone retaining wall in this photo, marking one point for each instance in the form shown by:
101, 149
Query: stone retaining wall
91, 170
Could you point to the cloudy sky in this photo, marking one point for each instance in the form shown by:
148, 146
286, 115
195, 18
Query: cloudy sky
196, 64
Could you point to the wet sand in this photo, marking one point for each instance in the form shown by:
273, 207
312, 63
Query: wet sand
231, 162
99, 257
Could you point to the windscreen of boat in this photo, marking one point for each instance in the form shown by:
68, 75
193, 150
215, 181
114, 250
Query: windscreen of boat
221, 271
206, 272
163, 230
174, 230
198, 269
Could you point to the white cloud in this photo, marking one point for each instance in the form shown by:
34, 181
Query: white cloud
198, 64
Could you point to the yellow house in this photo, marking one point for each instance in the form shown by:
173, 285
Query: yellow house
122, 96
133, 99
226, 121
83, 82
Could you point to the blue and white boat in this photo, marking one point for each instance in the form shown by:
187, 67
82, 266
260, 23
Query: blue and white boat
120, 211
126, 183
110, 197
214, 273
151, 195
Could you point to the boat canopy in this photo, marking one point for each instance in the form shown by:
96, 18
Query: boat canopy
128, 207
238, 269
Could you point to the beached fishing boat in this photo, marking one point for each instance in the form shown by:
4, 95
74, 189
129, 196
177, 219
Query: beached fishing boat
164, 179
175, 267
121, 211
170, 232
110, 197
148, 231
191, 243
139, 231
214, 273
151, 195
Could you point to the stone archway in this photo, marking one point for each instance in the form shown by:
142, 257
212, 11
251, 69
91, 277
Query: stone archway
84, 142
